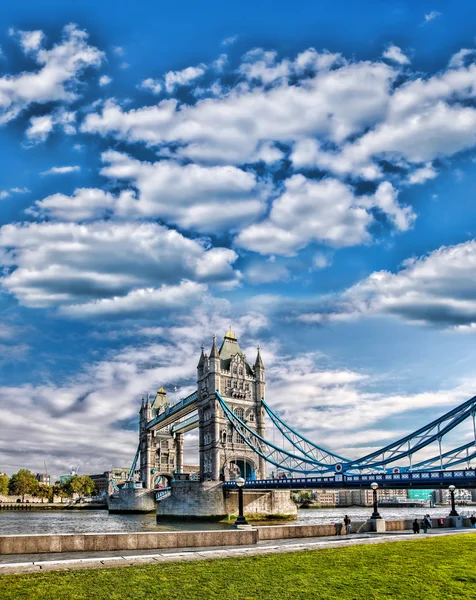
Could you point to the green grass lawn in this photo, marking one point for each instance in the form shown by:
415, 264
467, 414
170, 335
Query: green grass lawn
438, 568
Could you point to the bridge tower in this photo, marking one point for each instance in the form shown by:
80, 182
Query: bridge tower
223, 454
161, 451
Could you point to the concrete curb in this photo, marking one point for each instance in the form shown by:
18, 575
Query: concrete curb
97, 562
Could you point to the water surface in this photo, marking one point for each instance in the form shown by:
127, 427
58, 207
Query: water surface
91, 521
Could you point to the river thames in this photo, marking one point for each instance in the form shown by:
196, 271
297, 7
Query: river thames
89, 521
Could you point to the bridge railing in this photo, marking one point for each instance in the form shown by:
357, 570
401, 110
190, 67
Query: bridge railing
465, 476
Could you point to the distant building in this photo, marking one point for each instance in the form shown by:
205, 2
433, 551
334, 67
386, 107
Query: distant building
425, 495
326, 498
103, 482
43, 478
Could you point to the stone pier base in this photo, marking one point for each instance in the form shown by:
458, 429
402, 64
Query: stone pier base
208, 500
134, 500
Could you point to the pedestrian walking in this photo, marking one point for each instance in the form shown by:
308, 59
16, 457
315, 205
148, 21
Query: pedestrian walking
416, 526
472, 520
427, 522
347, 522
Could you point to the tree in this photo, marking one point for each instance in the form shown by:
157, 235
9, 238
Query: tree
23, 482
82, 485
4, 485
43, 491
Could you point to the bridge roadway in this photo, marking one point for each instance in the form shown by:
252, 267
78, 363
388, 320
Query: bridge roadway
461, 478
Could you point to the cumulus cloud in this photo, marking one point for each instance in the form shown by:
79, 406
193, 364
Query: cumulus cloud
152, 85
50, 264
232, 127
228, 41
166, 298
205, 199
56, 80
62, 170
423, 174
40, 127
438, 290
395, 53
304, 103
184, 77
325, 211
104, 80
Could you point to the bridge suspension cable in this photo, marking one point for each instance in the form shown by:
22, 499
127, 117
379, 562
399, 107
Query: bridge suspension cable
279, 457
412, 443
302, 444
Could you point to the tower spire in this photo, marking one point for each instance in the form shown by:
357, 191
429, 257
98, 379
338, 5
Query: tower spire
201, 362
258, 361
214, 350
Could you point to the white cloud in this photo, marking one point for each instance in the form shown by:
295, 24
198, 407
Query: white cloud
184, 77
119, 51
51, 264
62, 170
321, 260
31, 41
104, 80
231, 128
423, 174
431, 16
41, 127
438, 289
205, 199
14, 190
57, 78
325, 211
220, 63
395, 53
229, 40
262, 65
166, 298
151, 84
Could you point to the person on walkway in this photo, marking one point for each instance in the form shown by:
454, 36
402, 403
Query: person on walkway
424, 525
427, 521
416, 526
347, 524
472, 520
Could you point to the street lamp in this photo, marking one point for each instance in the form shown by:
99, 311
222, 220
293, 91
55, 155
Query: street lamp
375, 514
240, 482
453, 512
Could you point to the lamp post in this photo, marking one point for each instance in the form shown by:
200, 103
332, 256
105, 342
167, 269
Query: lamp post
240, 482
375, 514
453, 512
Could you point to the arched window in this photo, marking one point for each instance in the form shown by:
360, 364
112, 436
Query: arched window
241, 371
251, 417
239, 413
164, 444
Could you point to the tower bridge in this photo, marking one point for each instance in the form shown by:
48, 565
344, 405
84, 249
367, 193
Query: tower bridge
230, 412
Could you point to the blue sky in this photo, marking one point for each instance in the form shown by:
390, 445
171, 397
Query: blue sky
305, 174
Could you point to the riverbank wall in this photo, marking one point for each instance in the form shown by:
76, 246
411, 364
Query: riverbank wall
74, 542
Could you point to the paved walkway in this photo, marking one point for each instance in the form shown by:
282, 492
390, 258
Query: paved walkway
28, 563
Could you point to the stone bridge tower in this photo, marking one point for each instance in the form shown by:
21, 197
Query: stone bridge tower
161, 451
223, 455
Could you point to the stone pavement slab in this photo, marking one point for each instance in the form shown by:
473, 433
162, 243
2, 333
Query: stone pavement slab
86, 560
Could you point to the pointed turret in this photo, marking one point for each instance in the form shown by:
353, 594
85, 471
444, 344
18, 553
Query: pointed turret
201, 362
161, 401
258, 361
214, 350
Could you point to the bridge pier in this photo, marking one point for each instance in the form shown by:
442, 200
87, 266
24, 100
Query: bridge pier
208, 500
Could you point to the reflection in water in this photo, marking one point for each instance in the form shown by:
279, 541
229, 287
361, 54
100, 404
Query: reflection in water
76, 521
